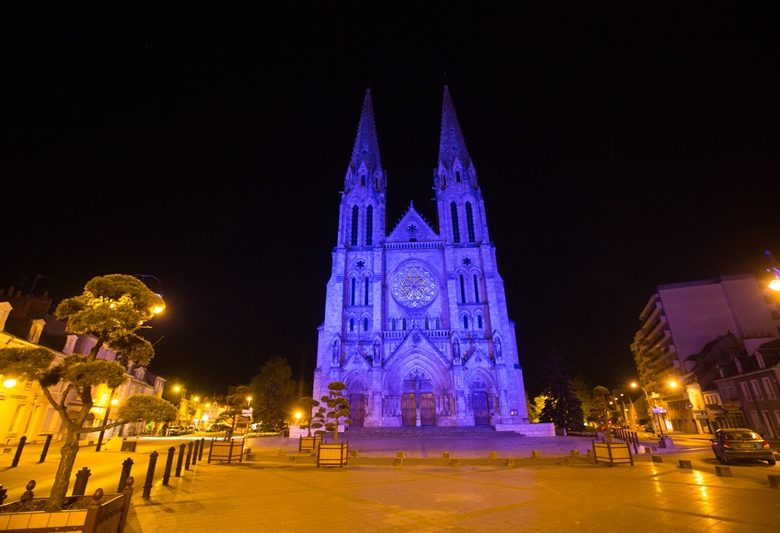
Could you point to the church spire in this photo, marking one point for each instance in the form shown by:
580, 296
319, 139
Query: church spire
453, 154
365, 163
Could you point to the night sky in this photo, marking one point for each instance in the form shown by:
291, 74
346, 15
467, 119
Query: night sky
206, 146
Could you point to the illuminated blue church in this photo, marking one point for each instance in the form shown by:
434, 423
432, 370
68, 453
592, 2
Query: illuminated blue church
416, 322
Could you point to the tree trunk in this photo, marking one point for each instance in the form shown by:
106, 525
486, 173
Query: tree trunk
336, 434
61, 480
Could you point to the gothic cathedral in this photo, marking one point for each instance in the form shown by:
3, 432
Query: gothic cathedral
415, 322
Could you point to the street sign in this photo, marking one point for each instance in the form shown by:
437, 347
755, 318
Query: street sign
657, 410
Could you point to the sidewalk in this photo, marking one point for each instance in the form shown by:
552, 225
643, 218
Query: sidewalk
269, 493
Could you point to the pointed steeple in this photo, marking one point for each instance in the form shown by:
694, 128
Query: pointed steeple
452, 147
366, 149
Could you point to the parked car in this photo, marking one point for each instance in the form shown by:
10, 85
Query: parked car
729, 444
174, 431
219, 426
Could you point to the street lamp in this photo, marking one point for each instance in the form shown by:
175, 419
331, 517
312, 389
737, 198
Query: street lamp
651, 409
182, 390
775, 283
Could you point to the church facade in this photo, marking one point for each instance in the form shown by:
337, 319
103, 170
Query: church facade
416, 321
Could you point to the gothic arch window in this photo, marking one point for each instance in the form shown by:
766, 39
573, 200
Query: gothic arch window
427, 323
365, 324
457, 176
353, 291
470, 222
392, 324
366, 287
363, 180
443, 182
351, 324
403, 324
438, 323
476, 288
465, 322
354, 239
455, 226
462, 289
369, 225
479, 321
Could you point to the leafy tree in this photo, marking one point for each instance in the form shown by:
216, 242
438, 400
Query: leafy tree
335, 408
561, 406
113, 309
583, 390
600, 394
535, 407
274, 392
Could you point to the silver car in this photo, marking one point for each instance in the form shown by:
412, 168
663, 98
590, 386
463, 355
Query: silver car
729, 444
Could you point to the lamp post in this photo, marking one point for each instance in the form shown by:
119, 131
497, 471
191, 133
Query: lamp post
112, 401
182, 390
652, 409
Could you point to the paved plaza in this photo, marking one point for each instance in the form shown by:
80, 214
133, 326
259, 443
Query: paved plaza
502, 484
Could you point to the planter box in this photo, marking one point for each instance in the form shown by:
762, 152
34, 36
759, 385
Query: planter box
230, 450
332, 454
97, 514
309, 444
613, 453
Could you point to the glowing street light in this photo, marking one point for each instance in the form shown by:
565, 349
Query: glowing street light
774, 284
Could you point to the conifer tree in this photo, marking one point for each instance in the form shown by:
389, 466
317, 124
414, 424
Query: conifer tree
561, 406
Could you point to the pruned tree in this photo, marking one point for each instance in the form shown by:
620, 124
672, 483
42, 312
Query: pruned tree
333, 410
307, 405
113, 309
237, 400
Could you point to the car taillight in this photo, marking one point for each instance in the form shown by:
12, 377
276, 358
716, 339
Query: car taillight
765, 444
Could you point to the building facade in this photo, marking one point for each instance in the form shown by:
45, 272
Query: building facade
685, 329
416, 321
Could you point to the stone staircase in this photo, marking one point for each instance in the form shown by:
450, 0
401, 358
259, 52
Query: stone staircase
427, 433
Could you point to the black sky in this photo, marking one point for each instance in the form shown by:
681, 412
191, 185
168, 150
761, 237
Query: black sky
206, 146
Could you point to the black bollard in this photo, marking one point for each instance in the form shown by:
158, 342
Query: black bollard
3, 494
200, 452
127, 464
80, 486
150, 475
195, 453
45, 448
168, 465
189, 456
180, 460
19, 449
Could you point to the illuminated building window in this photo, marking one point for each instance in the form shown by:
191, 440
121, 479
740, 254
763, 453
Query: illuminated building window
470, 222
354, 238
369, 225
455, 227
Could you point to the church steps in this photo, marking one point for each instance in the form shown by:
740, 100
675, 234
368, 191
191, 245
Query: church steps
427, 432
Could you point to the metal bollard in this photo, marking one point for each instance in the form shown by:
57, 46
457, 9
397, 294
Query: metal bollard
180, 460
168, 465
202, 444
195, 453
150, 475
45, 448
3, 494
19, 449
189, 456
80, 486
127, 465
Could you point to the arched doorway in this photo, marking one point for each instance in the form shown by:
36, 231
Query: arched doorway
418, 403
